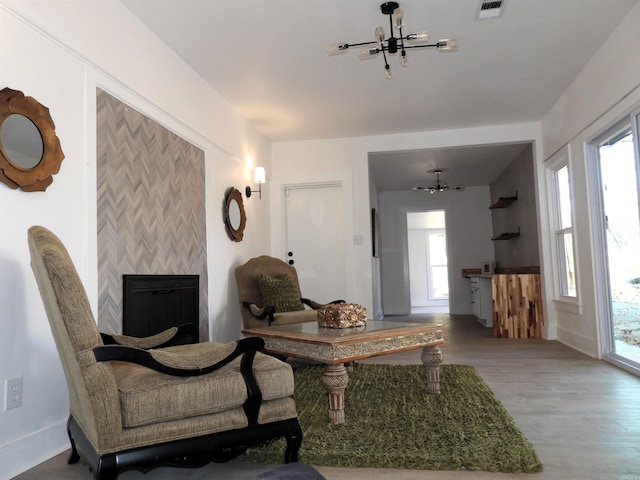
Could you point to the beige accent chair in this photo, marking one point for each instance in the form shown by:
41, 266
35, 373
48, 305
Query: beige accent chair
142, 407
254, 311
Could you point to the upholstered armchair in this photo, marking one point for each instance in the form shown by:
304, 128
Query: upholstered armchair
269, 294
135, 406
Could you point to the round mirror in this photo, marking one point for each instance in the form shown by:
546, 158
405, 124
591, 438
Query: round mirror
235, 218
234, 214
21, 141
30, 152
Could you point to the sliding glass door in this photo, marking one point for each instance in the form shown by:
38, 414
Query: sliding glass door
617, 165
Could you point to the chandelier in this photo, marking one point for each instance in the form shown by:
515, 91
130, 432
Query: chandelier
393, 44
438, 187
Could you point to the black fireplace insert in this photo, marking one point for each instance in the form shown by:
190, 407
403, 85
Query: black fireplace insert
154, 303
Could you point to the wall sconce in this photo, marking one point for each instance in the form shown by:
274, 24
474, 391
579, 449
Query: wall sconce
259, 177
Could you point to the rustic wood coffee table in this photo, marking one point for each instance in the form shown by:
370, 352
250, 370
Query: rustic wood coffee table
336, 346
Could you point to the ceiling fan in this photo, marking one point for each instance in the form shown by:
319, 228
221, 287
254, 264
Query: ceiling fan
438, 187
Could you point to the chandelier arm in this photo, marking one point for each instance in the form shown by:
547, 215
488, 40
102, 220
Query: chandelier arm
402, 39
384, 54
359, 44
430, 45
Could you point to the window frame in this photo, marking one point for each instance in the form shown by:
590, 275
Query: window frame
561, 297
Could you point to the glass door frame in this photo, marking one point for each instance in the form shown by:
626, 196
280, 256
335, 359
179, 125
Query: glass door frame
602, 277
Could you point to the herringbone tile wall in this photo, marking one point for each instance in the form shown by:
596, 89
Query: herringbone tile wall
151, 206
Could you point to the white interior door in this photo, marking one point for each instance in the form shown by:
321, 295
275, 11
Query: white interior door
315, 239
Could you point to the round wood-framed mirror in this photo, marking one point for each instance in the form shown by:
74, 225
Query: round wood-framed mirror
30, 152
235, 218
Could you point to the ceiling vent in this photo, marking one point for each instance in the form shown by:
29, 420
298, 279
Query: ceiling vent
490, 9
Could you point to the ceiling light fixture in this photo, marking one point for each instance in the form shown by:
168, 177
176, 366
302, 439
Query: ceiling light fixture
438, 187
393, 45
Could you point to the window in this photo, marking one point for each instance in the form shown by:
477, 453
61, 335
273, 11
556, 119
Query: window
562, 226
564, 233
438, 275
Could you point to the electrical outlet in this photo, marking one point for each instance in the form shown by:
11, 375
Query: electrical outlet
13, 389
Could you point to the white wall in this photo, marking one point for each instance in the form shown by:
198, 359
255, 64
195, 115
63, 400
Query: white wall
58, 52
607, 88
346, 159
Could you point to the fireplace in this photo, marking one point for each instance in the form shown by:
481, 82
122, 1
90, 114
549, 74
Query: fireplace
154, 303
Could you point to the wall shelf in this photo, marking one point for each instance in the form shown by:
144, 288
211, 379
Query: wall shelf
504, 202
506, 235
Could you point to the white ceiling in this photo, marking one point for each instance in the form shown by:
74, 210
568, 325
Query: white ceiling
462, 166
269, 60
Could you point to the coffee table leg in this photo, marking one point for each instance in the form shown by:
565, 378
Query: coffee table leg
335, 380
431, 359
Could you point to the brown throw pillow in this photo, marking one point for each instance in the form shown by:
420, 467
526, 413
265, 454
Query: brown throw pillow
280, 291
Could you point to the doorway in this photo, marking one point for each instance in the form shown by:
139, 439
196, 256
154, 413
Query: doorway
617, 166
428, 263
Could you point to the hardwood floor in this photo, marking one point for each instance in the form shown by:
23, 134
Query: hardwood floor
582, 415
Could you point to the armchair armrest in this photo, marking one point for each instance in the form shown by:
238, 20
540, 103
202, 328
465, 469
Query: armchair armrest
184, 365
316, 305
187, 332
179, 364
260, 312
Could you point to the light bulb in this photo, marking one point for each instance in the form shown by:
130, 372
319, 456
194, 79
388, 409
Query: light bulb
387, 70
403, 58
337, 48
398, 16
418, 37
259, 175
366, 53
448, 45
379, 36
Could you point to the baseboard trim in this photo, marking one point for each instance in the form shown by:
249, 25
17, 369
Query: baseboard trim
577, 342
25, 453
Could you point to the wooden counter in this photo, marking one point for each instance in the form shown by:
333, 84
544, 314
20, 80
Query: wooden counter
517, 305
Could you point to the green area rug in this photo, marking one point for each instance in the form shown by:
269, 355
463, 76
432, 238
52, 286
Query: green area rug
392, 422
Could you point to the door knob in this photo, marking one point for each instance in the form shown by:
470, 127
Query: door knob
290, 254
291, 262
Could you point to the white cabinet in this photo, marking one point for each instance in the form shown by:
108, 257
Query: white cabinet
481, 304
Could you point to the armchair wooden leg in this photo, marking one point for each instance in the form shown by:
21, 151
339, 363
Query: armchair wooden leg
74, 457
107, 468
294, 441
